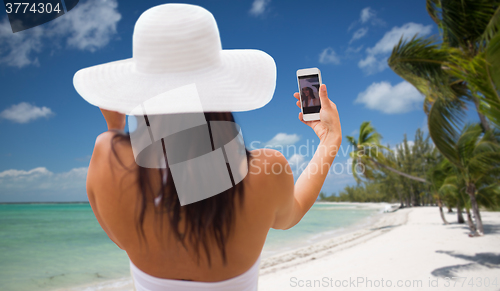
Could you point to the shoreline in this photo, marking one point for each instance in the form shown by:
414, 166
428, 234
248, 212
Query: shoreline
408, 245
349, 237
280, 259
410, 249
328, 235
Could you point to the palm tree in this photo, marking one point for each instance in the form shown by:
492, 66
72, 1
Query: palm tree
368, 154
462, 67
476, 160
453, 188
414, 160
438, 175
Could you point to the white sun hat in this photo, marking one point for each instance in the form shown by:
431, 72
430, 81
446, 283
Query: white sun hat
306, 83
178, 46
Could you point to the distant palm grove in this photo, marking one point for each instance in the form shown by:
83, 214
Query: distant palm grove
457, 165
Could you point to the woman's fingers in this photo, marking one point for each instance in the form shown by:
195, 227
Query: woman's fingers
296, 95
323, 96
298, 103
301, 118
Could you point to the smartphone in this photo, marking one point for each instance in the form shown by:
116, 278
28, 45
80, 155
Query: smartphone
309, 81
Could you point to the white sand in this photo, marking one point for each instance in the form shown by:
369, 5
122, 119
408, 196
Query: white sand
411, 248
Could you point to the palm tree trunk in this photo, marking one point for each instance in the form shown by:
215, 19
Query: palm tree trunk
460, 217
440, 204
412, 195
400, 198
471, 190
416, 196
470, 223
399, 172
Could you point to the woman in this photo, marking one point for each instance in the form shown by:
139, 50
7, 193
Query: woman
309, 99
214, 243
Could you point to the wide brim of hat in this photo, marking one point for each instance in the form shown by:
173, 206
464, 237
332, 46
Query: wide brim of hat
244, 80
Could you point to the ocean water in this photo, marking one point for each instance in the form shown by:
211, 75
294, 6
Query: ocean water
54, 246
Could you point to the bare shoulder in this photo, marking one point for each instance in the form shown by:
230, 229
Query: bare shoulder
111, 179
104, 141
270, 169
111, 160
270, 162
111, 146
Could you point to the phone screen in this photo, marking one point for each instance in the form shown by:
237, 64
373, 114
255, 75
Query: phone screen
309, 93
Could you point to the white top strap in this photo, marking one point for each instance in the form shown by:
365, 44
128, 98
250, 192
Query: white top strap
247, 281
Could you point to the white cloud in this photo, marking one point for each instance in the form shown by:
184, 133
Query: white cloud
296, 159
282, 139
89, 26
375, 60
391, 38
259, 7
21, 173
409, 142
425, 125
25, 112
373, 65
359, 34
16, 48
329, 56
353, 50
297, 163
389, 99
401, 146
352, 25
40, 184
366, 14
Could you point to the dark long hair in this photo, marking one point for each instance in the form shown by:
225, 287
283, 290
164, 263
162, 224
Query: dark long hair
311, 92
211, 217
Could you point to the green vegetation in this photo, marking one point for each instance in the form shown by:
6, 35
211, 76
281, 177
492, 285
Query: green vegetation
385, 175
457, 72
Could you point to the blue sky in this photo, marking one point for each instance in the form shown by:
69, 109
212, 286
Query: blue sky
48, 131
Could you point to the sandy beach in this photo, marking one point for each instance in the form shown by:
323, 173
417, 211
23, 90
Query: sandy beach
408, 249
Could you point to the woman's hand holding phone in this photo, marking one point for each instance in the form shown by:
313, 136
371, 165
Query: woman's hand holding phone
328, 128
311, 180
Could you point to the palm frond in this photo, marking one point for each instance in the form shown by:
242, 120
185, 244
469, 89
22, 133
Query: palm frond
466, 142
434, 9
477, 73
445, 119
352, 141
464, 22
492, 58
422, 62
368, 134
492, 29
489, 196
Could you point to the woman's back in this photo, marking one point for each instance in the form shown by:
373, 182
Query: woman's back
113, 193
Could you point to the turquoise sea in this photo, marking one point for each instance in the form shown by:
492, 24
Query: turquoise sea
54, 246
